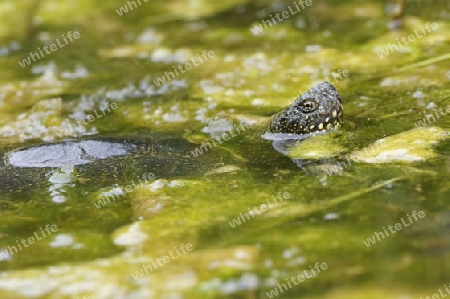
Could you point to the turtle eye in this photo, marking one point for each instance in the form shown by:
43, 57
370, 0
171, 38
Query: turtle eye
308, 105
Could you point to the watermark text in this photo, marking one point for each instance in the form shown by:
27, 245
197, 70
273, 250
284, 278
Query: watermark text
394, 228
49, 49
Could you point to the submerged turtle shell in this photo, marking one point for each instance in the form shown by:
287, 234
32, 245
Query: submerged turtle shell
69, 153
103, 159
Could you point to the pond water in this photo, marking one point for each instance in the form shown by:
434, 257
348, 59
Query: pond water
194, 213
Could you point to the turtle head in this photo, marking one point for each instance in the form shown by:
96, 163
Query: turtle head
319, 109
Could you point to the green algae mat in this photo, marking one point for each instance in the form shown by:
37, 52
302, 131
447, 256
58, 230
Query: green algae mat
210, 209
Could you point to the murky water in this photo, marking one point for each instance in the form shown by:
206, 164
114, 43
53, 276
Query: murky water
208, 209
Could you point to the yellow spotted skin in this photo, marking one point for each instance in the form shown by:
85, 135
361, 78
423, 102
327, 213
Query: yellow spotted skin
319, 109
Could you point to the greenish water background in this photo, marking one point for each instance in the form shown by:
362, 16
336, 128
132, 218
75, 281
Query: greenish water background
325, 219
